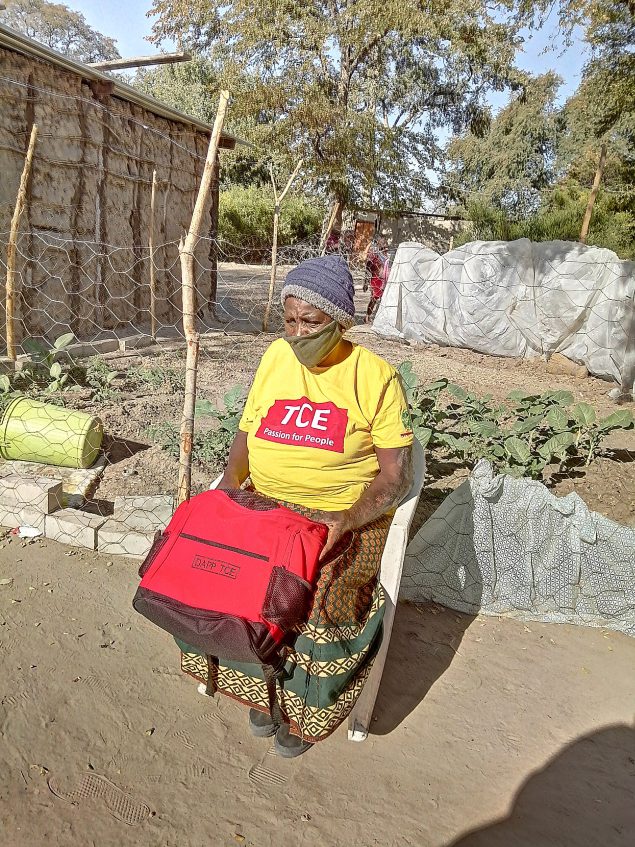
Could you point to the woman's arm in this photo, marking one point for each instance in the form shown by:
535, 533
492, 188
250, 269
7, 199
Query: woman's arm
237, 469
386, 491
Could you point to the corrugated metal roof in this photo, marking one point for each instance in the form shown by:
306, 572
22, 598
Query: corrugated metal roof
13, 40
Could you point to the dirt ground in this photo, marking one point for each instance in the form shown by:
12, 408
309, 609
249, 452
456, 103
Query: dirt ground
487, 732
230, 353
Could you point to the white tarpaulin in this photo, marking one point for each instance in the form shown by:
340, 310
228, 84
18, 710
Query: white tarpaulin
499, 545
517, 298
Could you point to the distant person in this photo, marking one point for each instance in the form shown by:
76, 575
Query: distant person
333, 241
377, 273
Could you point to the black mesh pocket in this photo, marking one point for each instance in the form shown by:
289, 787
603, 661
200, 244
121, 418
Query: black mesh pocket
288, 600
251, 500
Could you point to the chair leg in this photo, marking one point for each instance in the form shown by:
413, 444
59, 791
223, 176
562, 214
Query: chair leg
362, 713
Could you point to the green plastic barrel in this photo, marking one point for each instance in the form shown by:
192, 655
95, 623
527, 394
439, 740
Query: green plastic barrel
38, 432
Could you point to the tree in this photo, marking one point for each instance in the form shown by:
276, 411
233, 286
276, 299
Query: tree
602, 110
509, 166
559, 218
358, 88
609, 25
191, 87
59, 28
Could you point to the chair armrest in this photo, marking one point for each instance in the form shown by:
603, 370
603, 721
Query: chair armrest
405, 511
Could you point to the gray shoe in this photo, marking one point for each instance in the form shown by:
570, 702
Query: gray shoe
289, 746
261, 725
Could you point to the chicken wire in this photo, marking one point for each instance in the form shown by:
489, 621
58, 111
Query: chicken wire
102, 293
504, 546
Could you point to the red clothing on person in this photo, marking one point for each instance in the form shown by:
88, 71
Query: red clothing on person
377, 267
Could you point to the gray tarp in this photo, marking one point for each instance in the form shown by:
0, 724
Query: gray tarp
499, 545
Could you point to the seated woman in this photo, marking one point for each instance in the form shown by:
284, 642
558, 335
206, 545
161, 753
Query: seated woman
325, 431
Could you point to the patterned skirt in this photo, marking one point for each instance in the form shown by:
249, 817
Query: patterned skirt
332, 656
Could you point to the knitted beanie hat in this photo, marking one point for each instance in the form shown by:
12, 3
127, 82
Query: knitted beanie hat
325, 283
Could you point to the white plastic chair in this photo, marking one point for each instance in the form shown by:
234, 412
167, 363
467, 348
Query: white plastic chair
390, 577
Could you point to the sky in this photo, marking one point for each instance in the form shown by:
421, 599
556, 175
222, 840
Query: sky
126, 22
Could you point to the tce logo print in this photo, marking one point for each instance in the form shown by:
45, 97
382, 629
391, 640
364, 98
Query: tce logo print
303, 423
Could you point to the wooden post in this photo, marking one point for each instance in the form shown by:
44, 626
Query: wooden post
12, 246
213, 241
274, 246
628, 369
336, 215
186, 255
141, 61
153, 276
584, 232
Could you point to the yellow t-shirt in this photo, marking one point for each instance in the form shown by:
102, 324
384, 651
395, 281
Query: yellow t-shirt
311, 433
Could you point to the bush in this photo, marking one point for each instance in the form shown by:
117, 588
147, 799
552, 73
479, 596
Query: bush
560, 218
245, 225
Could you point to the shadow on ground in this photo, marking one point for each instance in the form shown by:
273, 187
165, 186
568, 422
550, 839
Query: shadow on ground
422, 646
119, 449
583, 797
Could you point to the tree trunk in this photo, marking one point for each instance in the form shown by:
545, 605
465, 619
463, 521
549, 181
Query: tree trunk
274, 262
274, 245
584, 232
335, 222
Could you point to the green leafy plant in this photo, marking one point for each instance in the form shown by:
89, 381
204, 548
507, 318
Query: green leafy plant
44, 371
522, 437
159, 378
100, 378
423, 402
42, 376
167, 435
211, 445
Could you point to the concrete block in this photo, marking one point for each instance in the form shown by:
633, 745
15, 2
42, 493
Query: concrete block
13, 516
117, 538
70, 526
559, 364
7, 366
86, 349
134, 342
40, 492
144, 513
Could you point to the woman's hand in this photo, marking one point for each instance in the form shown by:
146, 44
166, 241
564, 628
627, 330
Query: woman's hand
339, 524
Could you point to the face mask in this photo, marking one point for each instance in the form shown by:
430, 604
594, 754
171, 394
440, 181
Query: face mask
313, 349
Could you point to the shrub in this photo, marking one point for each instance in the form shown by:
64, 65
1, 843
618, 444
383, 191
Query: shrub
560, 218
245, 224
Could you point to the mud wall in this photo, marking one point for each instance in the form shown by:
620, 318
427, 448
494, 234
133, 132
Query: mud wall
83, 247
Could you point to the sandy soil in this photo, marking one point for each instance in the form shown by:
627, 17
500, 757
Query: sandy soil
230, 354
487, 732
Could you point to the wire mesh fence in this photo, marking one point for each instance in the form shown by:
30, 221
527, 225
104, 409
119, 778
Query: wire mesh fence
91, 410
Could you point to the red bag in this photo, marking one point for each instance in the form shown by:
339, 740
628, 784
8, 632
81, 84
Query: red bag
233, 575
